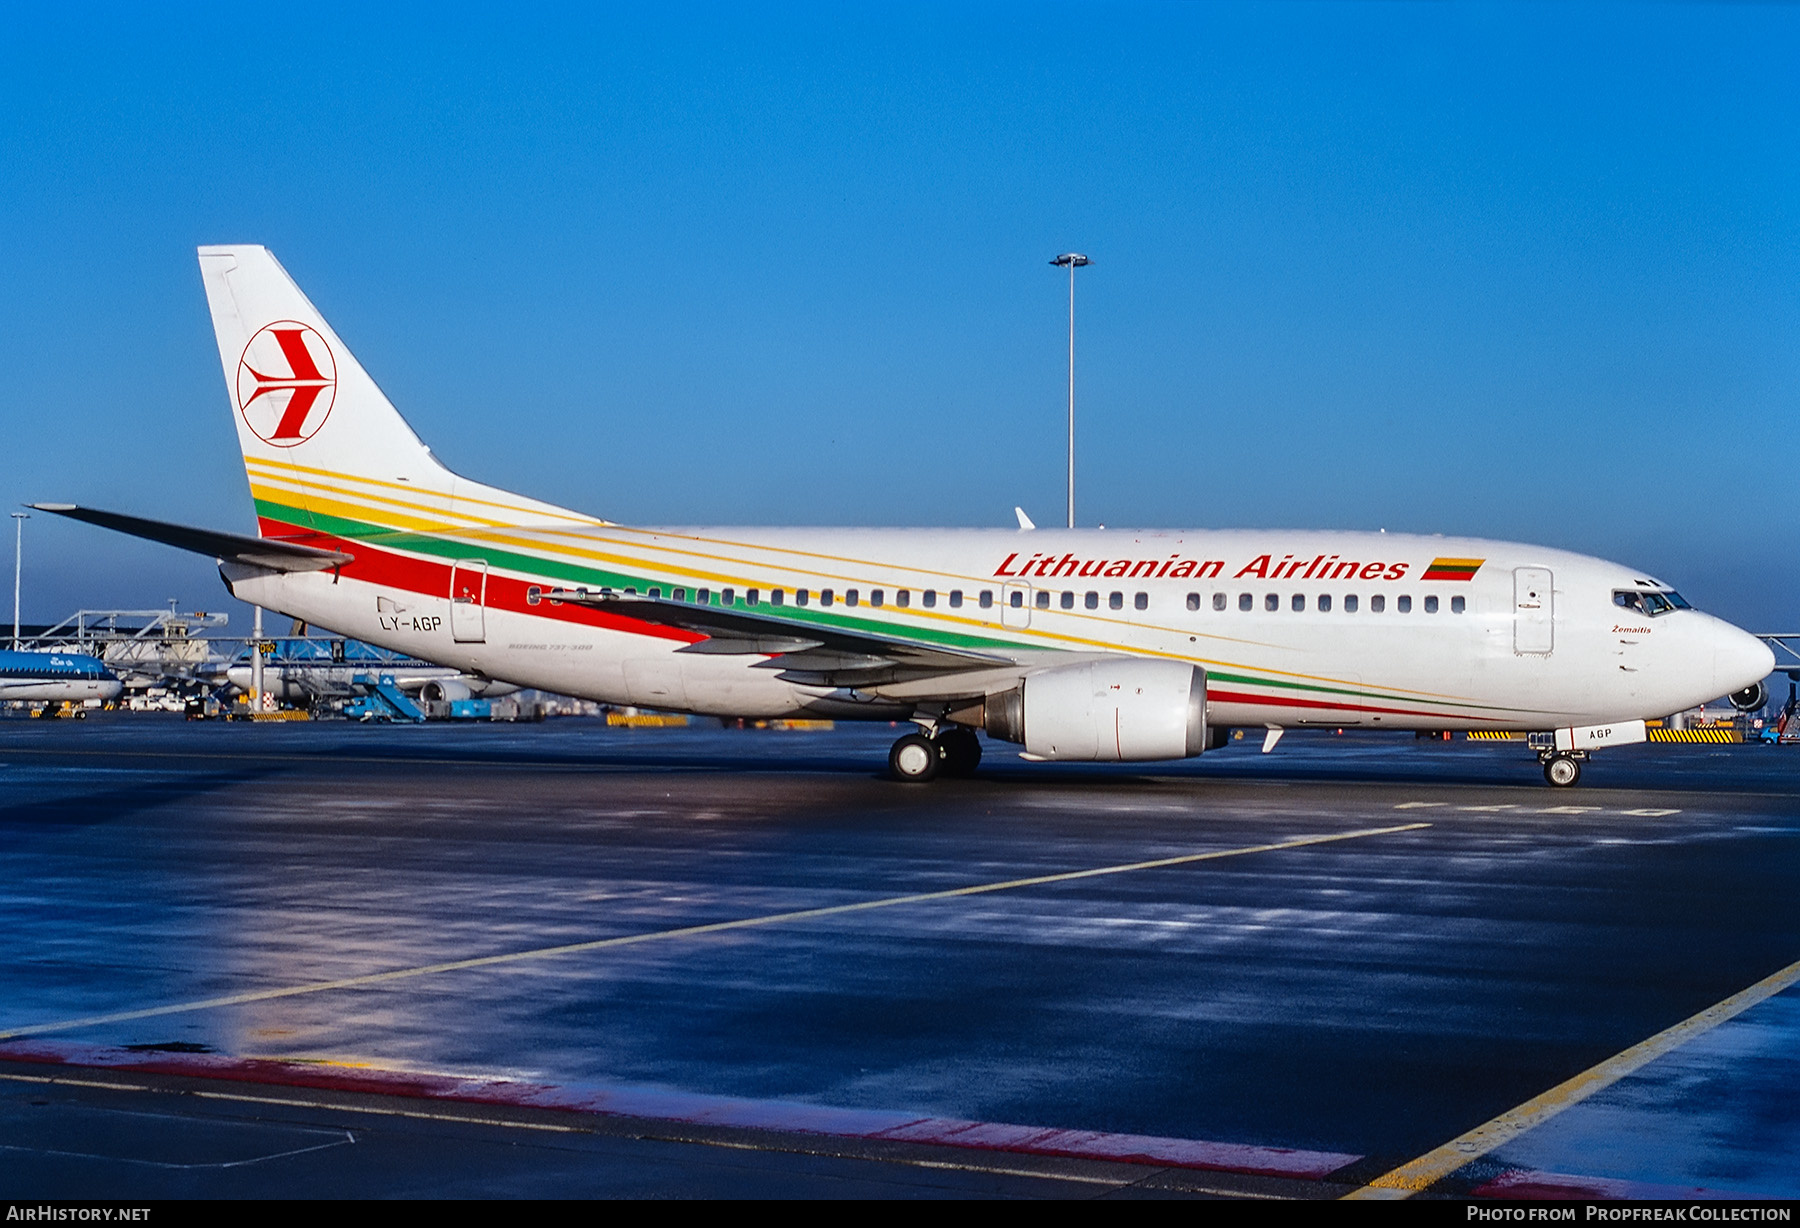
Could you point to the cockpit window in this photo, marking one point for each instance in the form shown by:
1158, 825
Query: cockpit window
1649, 604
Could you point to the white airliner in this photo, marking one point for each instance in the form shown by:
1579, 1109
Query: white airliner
1100, 644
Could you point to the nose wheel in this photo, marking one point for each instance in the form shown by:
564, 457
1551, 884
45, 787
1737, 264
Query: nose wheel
1562, 770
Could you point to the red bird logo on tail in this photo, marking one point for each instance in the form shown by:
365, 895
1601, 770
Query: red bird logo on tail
309, 382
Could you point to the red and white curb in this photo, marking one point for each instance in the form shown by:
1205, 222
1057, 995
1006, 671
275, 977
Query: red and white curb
692, 1109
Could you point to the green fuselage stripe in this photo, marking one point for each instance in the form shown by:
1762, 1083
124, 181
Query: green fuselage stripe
534, 565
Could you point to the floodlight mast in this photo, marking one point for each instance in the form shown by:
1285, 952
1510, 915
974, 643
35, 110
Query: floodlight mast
1073, 261
19, 519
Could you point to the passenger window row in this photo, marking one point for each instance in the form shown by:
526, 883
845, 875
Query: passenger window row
1068, 600
1351, 603
902, 598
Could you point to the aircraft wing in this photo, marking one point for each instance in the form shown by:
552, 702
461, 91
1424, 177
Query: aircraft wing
269, 552
808, 653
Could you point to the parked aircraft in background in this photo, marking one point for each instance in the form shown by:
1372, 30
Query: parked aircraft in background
1076, 644
56, 677
303, 682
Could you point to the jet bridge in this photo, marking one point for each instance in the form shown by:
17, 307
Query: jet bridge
1786, 645
161, 651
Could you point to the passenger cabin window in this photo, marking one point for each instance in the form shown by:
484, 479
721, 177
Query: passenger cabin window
1218, 601
875, 597
1349, 603
1377, 604
1193, 601
656, 591
1043, 599
1272, 601
702, 595
1115, 601
826, 597
1068, 600
1457, 605
1092, 601
850, 596
727, 596
679, 594
534, 594
1141, 601
1403, 604
987, 598
956, 599
775, 596
903, 598
1017, 600
1324, 603
752, 596
1431, 605
1246, 601
1299, 603
930, 598
800, 596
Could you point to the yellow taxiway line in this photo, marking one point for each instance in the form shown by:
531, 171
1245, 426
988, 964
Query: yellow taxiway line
1415, 1175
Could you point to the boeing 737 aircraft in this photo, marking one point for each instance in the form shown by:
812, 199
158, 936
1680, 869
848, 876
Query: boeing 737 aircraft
1099, 644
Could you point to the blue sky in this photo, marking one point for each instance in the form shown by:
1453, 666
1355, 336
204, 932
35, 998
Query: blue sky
1523, 271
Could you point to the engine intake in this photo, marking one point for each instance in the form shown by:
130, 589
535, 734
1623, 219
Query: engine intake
1750, 698
443, 690
1105, 711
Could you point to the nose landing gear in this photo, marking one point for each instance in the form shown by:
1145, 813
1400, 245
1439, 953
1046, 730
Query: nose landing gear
1562, 770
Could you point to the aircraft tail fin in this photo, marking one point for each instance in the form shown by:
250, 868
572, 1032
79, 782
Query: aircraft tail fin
324, 448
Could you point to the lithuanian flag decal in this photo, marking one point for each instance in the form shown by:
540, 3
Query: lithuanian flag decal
1453, 569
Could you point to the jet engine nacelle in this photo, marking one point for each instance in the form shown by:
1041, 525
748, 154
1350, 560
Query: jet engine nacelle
1751, 698
443, 690
1106, 711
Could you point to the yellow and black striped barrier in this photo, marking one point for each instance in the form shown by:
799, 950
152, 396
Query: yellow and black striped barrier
1695, 735
646, 720
1714, 734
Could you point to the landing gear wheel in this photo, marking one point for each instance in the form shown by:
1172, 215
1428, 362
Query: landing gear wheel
961, 750
915, 758
1562, 771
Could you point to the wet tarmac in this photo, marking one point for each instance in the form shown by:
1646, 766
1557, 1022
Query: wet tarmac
1353, 948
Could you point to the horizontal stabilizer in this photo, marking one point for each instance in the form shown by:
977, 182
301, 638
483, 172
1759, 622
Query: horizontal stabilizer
269, 552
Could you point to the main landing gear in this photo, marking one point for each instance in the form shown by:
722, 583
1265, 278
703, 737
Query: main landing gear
954, 751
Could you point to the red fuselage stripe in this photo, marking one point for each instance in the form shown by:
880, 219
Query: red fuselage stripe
431, 578
1213, 695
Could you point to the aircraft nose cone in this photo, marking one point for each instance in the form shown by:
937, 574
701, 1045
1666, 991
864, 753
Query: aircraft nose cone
1739, 660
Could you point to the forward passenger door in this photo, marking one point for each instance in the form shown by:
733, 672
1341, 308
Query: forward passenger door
1534, 611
